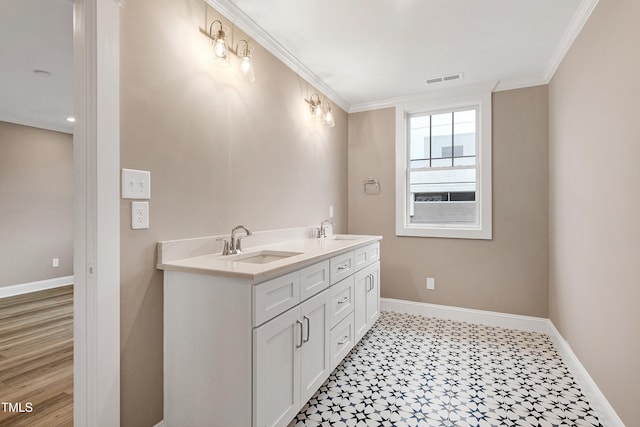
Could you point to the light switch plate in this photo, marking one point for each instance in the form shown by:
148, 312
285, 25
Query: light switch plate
136, 184
139, 215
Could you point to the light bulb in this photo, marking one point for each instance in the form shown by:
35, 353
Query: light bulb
328, 118
246, 66
220, 49
245, 70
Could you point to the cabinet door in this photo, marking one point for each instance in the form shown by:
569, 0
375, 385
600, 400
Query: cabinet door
315, 351
360, 303
373, 294
276, 373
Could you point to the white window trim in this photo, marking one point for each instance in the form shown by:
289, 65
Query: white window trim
480, 97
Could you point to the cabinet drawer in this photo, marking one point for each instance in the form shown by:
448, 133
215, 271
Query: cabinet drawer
275, 296
342, 340
342, 266
314, 279
367, 255
341, 300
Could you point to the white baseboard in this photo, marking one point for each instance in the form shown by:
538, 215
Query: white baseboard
601, 405
160, 424
490, 318
25, 288
599, 402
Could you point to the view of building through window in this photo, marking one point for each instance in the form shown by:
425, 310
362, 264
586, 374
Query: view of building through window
442, 167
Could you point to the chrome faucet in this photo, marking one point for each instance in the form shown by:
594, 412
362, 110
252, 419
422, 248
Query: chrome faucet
235, 245
322, 231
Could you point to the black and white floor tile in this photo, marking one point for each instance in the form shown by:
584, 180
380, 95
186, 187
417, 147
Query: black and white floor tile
418, 371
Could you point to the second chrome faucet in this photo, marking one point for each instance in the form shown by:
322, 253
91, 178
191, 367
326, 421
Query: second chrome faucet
321, 232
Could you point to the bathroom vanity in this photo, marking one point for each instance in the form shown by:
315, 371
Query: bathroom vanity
249, 338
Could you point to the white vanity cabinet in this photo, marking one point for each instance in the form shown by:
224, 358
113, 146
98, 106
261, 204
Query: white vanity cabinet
291, 360
367, 299
248, 353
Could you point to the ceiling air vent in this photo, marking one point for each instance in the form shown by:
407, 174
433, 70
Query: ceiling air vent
447, 78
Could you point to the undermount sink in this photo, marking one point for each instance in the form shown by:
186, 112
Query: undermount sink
344, 237
263, 257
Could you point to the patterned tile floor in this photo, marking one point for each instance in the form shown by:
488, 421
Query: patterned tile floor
420, 371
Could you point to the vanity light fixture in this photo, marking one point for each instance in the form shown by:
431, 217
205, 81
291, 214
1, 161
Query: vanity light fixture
321, 112
223, 51
245, 70
220, 49
315, 105
327, 118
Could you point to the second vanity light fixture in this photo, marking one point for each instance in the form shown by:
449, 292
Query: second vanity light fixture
221, 50
320, 111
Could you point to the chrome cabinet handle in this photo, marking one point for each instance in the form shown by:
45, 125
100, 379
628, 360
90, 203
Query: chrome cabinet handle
306, 319
344, 340
343, 267
370, 284
301, 342
343, 300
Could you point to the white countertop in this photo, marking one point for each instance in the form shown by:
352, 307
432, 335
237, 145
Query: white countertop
311, 250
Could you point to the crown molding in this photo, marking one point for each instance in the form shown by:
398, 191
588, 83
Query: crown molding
579, 19
519, 83
424, 96
256, 32
35, 123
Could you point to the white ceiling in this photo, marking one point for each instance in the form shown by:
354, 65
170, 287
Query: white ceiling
36, 35
364, 53
360, 53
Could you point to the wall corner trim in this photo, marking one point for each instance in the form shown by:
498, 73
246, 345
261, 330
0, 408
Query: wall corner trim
598, 401
41, 285
575, 26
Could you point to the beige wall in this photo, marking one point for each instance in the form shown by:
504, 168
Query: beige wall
507, 274
594, 205
220, 152
36, 204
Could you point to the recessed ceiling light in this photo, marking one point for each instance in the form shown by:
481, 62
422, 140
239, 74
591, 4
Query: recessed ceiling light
42, 73
71, 119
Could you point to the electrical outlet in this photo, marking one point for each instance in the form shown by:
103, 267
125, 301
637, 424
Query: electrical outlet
431, 283
136, 184
55, 262
139, 215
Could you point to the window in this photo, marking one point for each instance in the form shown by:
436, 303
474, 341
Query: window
443, 168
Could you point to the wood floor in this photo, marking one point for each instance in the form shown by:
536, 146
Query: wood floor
36, 359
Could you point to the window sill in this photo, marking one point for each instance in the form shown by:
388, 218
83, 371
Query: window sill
446, 232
